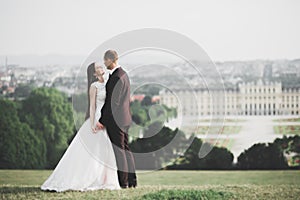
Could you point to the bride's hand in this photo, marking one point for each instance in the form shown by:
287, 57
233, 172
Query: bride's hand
94, 129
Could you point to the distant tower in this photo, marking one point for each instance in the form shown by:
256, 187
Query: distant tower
6, 63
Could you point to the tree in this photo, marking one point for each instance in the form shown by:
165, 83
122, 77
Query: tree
262, 156
290, 146
147, 101
139, 113
19, 146
156, 141
48, 112
23, 91
217, 158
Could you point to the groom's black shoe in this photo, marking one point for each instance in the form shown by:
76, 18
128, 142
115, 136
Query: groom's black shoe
132, 183
123, 186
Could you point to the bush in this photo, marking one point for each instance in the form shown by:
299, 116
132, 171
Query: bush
217, 158
262, 156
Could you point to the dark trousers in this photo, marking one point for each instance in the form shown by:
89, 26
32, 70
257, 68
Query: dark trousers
124, 157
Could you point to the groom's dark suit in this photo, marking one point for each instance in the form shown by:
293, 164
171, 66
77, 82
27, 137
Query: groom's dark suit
116, 117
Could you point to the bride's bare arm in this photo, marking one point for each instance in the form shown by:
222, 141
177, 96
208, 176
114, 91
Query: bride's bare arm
93, 92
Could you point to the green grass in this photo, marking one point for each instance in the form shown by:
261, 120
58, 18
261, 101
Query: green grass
224, 129
25, 184
224, 120
291, 129
297, 119
225, 143
186, 195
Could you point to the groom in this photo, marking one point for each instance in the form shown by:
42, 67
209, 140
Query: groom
116, 118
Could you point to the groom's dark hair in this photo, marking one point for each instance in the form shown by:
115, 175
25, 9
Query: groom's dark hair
111, 54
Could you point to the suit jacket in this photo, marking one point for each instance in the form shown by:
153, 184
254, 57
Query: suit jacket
116, 108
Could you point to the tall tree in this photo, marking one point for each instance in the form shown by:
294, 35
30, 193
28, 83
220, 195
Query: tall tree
19, 147
48, 112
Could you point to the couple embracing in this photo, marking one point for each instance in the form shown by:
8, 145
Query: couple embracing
98, 156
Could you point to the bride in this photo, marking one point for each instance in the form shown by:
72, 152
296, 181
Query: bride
89, 162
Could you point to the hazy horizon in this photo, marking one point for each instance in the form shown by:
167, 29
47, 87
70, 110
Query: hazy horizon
227, 30
63, 59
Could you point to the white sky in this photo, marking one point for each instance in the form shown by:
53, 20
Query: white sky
226, 29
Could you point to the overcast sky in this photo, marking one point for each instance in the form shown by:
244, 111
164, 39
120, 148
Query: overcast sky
226, 29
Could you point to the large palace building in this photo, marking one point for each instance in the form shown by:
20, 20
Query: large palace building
259, 97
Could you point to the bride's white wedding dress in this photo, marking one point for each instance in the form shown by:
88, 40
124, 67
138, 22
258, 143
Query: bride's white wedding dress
89, 161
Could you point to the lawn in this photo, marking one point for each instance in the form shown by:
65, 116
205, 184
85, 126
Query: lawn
224, 130
24, 184
224, 120
287, 120
225, 143
291, 129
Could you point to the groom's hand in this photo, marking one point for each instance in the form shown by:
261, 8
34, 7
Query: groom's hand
99, 125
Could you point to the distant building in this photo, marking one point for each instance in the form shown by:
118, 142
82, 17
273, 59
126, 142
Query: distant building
138, 97
5, 77
261, 97
155, 99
